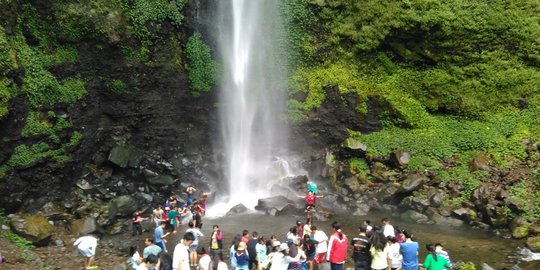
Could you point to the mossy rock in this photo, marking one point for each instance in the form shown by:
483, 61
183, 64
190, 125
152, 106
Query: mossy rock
122, 206
125, 156
534, 243
354, 144
163, 180
520, 232
34, 228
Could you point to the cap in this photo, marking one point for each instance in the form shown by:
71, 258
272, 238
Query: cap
241, 246
283, 246
276, 244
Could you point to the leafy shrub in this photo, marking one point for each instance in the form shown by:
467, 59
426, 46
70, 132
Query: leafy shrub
118, 86
143, 13
202, 69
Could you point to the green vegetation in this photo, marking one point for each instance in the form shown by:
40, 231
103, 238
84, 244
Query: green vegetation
145, 13
23, 244
118, 86
202, 70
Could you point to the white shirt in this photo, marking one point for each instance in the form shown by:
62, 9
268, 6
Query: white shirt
86, 243
204, 262
281, 262
389, 230
197, 233
394, 255
322, 238
181, 256
222, 266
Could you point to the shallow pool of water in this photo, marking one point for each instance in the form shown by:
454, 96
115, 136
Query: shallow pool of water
463, 243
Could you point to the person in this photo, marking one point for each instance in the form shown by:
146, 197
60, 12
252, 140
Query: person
232, 249
309, 246
216, 242
202, 202
157, 215
159, 237
87, 245
360, 246
388, 228
193, 247
191, 192
393, 253
137, 220
337, 248
322, 247
307, 227
245, 236
292, 234
148, 263
164, 262
181, 252
409, 250
260, 250
218, 264
267, 263
367, 223
312, 187
282, 259
400, 237
241, 256
150, 249
204, 259
379, 251
134, 257
434, 261
310, 198
443, 253
252, 251
171, 201
172, 216
300, 229
197, 211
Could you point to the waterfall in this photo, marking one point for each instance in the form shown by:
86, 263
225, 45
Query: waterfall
251, 95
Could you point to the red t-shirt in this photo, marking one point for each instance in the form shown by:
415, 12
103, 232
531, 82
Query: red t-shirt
310, 199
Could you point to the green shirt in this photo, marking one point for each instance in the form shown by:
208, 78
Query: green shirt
439, 264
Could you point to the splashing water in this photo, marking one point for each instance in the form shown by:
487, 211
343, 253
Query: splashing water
251, 97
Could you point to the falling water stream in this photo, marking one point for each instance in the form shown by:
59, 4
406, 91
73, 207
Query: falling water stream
251, 97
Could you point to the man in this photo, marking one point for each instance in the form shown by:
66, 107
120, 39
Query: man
87, 245
150, 249
137, 220
409, 249
181, 252
157, 214
388, 229
252, 252
159, 237
216, 242
322, 247
361, 246
193, 247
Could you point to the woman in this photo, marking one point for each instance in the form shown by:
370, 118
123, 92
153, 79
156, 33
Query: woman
393, 253
260, 248
242, 259
379, 251
309, 247
232, 249
337, 247
134, 259
307, 227
204, 259
434, 261
281, 259
172, 215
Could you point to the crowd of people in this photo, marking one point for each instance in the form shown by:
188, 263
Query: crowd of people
303, 247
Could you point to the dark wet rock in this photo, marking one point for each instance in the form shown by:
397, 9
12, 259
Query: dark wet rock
480, 162
162, 180
416, 203
84, 226
145, 197
532, 265
237, 209
117, 228
481, 195
437, 199
534, 243
290, 210
401, 158
280, 190
276, 202
34, 228
413, 182
519, 227
389, 193
322, 214
84, 185
465, 214
122, 206
415, 216
480, 225
125, 156
439, 219
361, 210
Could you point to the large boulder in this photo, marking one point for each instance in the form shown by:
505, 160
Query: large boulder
125, 156
415, 216
439, 219
275, 202
84, 226
237, 209
519, 227
354, 144
413, 182
34, 228
122, 206
290, 210
534, 243
480, 162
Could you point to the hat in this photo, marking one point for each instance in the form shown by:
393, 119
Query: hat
276, 244
241, 246
283, 246
167, 208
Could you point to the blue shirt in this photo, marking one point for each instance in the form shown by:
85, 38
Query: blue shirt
158, 233
410, 257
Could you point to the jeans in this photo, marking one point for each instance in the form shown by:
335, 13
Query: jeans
336, 266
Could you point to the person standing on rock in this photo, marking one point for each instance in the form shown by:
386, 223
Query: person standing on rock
310, 198
137, 220
157, 214
172, 216
159, 236
191, 195
87, 245
181, 252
